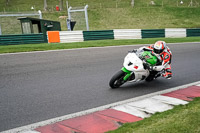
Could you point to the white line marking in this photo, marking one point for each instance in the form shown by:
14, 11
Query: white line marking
170, 100
132, 110
198, 85
54, 120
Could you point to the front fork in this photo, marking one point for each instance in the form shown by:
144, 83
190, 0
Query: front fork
128, 73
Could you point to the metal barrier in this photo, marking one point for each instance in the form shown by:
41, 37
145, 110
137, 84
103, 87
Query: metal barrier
98, 35
22, 39
155, 33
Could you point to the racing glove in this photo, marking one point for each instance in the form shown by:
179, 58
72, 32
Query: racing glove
147, 66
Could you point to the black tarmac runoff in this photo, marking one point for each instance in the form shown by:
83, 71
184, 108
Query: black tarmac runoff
37, 86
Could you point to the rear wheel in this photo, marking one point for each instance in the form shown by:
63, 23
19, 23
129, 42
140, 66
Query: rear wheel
117, 80
151, 77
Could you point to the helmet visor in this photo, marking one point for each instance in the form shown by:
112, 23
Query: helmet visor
158, 51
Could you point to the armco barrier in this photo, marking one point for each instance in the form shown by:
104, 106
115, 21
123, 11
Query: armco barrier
71, 36
175, 33
127, 34
22, 39
193, 32
153, 33
98, 35
79, 36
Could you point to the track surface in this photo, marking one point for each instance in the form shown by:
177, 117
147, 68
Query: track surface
43, 85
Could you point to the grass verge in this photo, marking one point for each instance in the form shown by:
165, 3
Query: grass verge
108, 14
181, 119
99, 43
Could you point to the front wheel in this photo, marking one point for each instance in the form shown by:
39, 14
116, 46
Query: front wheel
117, 80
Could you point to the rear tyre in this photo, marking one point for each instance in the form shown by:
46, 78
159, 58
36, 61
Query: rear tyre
117, 80
151, 77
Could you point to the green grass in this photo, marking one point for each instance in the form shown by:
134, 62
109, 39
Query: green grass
99, 43
25, 5
136, 18
112, 14
181, 119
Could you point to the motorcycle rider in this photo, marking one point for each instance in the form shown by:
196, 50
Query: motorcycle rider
164, 55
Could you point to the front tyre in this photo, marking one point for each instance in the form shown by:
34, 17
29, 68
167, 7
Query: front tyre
117, 80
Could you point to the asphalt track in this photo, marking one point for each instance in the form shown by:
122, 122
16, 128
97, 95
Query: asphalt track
43, 85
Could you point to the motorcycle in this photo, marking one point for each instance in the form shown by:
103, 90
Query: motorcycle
138, 65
